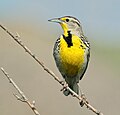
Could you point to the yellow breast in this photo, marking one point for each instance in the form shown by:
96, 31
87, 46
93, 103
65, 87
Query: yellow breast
72, 58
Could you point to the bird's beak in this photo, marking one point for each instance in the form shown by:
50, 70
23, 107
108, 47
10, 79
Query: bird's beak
57, 20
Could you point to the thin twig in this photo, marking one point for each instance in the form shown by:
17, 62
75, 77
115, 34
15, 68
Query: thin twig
23, 98
17, 39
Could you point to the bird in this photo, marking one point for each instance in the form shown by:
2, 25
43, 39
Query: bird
71, 52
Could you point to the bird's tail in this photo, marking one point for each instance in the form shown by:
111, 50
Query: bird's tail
74, 87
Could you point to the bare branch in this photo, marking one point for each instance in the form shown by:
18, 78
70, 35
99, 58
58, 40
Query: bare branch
23, 98
17, 39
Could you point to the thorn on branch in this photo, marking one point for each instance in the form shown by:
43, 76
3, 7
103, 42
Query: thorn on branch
17, 35
20, 99
99, 113
34, 56
33, 102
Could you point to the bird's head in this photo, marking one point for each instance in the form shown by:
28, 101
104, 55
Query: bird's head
69, 23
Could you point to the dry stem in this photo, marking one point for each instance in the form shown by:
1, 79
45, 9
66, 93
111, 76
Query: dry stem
17, 39
23, 98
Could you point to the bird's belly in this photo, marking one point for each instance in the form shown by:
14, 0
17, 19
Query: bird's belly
72, 60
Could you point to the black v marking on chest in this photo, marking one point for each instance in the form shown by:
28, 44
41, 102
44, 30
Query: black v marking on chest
68, 39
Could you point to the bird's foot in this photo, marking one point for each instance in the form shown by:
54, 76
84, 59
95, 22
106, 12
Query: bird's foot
65, 85
62, 82
84, 100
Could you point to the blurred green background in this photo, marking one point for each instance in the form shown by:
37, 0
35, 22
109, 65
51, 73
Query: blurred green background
101, 83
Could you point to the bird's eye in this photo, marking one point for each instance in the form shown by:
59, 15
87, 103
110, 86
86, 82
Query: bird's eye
67, 20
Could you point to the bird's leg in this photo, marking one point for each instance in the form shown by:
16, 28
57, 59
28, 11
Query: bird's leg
84, 99
82, 102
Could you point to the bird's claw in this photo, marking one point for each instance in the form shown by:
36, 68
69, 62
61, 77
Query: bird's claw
62, 82
65, 85
83, 101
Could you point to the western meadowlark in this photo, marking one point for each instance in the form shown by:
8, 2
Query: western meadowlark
71, 52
